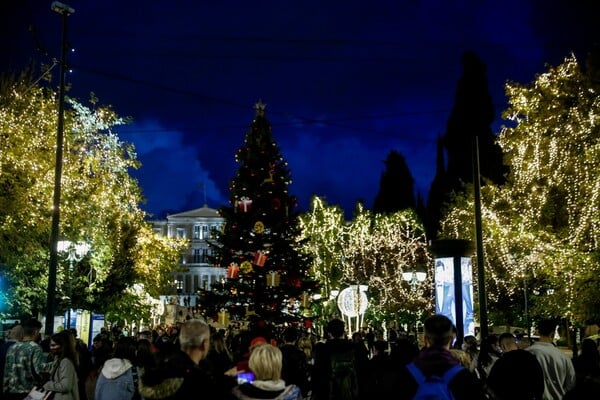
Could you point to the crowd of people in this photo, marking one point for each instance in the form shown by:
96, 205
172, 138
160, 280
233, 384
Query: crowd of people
195, 360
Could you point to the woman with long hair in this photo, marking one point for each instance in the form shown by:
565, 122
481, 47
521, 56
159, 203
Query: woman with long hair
63, 374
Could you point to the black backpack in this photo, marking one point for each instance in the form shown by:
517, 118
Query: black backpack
343, 382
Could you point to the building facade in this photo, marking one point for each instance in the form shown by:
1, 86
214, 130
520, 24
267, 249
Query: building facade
196, 273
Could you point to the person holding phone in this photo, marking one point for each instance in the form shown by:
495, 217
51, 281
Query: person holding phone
265, 362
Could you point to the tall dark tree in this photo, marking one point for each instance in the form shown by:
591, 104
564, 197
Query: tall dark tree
267, 274
472, 116
438, 194
396, 187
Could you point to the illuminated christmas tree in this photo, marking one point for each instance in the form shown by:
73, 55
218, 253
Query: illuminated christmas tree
267, 275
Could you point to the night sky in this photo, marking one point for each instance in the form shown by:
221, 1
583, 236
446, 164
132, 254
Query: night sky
345, 82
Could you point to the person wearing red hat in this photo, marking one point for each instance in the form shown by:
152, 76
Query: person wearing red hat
242, 364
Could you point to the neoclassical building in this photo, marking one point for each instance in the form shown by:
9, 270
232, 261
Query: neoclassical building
196, 225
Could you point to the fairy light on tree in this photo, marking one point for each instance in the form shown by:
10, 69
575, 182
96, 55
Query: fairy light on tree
99, 203
545, 218
373, 250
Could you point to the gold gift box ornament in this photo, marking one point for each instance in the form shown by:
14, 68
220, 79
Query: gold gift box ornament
224, 317
273, 278
305, 300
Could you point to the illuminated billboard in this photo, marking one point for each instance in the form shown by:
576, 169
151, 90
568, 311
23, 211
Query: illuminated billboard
446, 292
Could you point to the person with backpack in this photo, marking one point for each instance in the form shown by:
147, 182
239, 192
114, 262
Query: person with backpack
435, 373
336, 366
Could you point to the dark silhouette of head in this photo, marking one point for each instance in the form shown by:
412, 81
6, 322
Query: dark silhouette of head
336, 328
438, 330
546, 327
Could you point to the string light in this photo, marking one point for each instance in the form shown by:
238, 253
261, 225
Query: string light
543, 225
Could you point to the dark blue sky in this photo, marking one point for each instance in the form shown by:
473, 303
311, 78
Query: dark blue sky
345, 82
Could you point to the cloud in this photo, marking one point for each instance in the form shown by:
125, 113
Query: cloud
171, 174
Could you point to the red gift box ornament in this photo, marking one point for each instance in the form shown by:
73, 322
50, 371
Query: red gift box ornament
233, 271
244, 204
260, 258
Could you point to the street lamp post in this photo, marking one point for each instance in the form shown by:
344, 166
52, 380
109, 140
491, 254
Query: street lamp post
414, 278
75, 253
64, 11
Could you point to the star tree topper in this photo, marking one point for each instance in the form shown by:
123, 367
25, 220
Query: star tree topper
260, 108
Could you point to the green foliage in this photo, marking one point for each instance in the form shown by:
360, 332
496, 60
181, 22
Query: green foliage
373, 250
542, 228
99, 202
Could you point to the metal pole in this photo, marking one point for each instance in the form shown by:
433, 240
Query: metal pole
70, 290
526, 308
483, 317
458, 301
54, 233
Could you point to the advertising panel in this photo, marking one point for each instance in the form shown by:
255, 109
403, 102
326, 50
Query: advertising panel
445, 291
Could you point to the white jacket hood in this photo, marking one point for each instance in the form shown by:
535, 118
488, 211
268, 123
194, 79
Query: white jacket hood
115, 367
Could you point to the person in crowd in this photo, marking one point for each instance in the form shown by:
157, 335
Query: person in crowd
471, 347
327, 378
242, 365
362, 358
266, 363
145, 359
370, 338
63, 375
403, 351
220, 360
587, 364
379, 366
360, 346
219, 355
148, 336
180, 376
15, 334
116, 379
559, 373
462, 357
102, 349
523, 341
306, 345
587, 372
85, 363
434, 359
516, 374
295, 369
25, 363
488, 354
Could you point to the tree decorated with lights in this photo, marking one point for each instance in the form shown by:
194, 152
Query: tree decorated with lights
380, 249
376, 250
267, 275
542, 228
323, 236
100, 206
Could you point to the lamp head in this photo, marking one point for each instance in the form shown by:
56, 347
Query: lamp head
61, 8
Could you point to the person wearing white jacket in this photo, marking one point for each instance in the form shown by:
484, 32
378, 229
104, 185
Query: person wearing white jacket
116, 380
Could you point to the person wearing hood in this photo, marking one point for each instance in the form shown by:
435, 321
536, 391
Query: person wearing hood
116, 379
